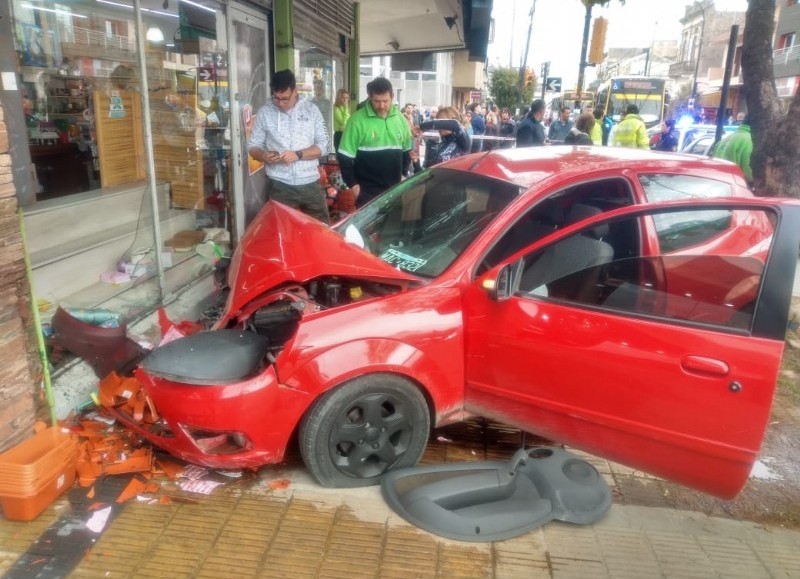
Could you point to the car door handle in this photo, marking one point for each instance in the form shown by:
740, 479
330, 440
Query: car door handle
705, 365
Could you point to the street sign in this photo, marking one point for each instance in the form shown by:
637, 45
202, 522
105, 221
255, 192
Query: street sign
553, 83
206, 73
475, 96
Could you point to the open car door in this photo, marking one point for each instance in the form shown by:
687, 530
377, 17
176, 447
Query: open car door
651, 335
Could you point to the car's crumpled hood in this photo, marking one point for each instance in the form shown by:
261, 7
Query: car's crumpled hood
284, 245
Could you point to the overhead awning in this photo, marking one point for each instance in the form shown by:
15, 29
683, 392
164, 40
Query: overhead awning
390, 27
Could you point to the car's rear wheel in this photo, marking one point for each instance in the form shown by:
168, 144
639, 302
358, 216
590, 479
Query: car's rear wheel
358, 431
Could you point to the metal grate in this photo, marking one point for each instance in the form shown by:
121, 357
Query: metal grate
323, 21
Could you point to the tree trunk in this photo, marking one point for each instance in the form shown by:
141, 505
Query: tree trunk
776, 140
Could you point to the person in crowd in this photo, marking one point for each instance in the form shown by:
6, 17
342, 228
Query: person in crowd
478, 126
607, 126
631, 132
669, 137
323, 103
597, 128
454, 140
579, 134
492, 127
561, 126
740, 116
530, 131
507, 129
289, 137
416, 135
467, 122
738, 147
376, 145
341, 114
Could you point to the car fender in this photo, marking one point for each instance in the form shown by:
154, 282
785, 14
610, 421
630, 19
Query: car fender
443, 388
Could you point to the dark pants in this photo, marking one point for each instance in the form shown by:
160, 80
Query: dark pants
310, 198
367, 194
337, 137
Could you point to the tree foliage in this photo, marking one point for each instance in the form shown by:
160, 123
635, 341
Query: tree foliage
503, 88
775, 132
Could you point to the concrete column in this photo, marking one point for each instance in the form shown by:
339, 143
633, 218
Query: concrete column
283, 19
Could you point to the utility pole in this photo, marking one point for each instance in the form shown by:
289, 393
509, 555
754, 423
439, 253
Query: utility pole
584, 47
545, 74
523, 64
699, 48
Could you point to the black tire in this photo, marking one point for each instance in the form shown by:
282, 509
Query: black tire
358, 431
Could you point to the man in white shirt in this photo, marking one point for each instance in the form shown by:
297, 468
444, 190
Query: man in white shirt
289, 137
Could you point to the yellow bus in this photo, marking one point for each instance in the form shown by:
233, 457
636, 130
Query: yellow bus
647, 93
573, 100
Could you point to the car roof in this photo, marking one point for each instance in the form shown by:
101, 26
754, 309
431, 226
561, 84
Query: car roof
530, 165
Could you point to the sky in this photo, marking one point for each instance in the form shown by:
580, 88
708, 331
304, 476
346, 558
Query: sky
558, 30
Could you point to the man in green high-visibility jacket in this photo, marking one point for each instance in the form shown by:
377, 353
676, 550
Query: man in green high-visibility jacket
631, 132
737, 147
376, 144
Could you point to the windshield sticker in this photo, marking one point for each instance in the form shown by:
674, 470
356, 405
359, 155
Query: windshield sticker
402, 260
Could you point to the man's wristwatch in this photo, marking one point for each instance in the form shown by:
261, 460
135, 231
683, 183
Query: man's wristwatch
299, 154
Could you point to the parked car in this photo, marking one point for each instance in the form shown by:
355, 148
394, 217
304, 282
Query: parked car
702, 146
628, 304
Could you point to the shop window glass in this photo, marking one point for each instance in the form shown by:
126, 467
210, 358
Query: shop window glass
318, 79
83, 102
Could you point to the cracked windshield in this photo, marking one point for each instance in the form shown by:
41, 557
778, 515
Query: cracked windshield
426, 222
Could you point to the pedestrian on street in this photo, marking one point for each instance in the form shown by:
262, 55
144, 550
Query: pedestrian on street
631, 132
530, 131
376, 145
579, 134
341, 114
478, 126
561, 126
289, 137
507, 129
669, 137
738, 147
454, 140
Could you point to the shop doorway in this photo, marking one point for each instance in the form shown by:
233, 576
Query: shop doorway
250, 71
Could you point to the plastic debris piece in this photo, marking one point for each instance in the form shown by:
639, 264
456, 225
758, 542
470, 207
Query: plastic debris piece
90, 494
134, 488
98, 520
204, 487
193, 472
231, 473
139, 460
170, 467
280, 484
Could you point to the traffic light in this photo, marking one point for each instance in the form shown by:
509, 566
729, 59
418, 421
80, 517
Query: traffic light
528, 77
598, 43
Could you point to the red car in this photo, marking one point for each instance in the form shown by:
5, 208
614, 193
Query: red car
626, 303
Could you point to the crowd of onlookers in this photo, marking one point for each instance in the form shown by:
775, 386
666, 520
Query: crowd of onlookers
378, 144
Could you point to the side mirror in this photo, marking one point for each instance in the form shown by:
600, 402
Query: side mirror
500, 287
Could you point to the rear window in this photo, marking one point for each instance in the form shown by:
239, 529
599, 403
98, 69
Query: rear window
674, 232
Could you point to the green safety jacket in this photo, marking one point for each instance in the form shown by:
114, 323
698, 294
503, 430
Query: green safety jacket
631, 133
737, 147
374, 151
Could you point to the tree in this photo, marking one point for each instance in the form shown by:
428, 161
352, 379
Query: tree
588, 4
503, 88
776, 133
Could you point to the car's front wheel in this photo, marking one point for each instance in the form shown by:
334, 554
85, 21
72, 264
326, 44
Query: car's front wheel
358, 431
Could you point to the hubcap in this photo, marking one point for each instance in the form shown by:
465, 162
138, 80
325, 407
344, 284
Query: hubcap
371, 436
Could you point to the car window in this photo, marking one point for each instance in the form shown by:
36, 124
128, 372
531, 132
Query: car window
564, 207
674, 233
701, 146
423, 224
715, 285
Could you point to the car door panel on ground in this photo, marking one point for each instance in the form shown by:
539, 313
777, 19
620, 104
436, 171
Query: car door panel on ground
648, 359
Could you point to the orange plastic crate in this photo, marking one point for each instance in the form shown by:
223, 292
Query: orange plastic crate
27, 508
35, 472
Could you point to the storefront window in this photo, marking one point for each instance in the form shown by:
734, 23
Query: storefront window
319, 77
84, 106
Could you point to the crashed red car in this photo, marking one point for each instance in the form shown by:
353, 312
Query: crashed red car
626, 303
